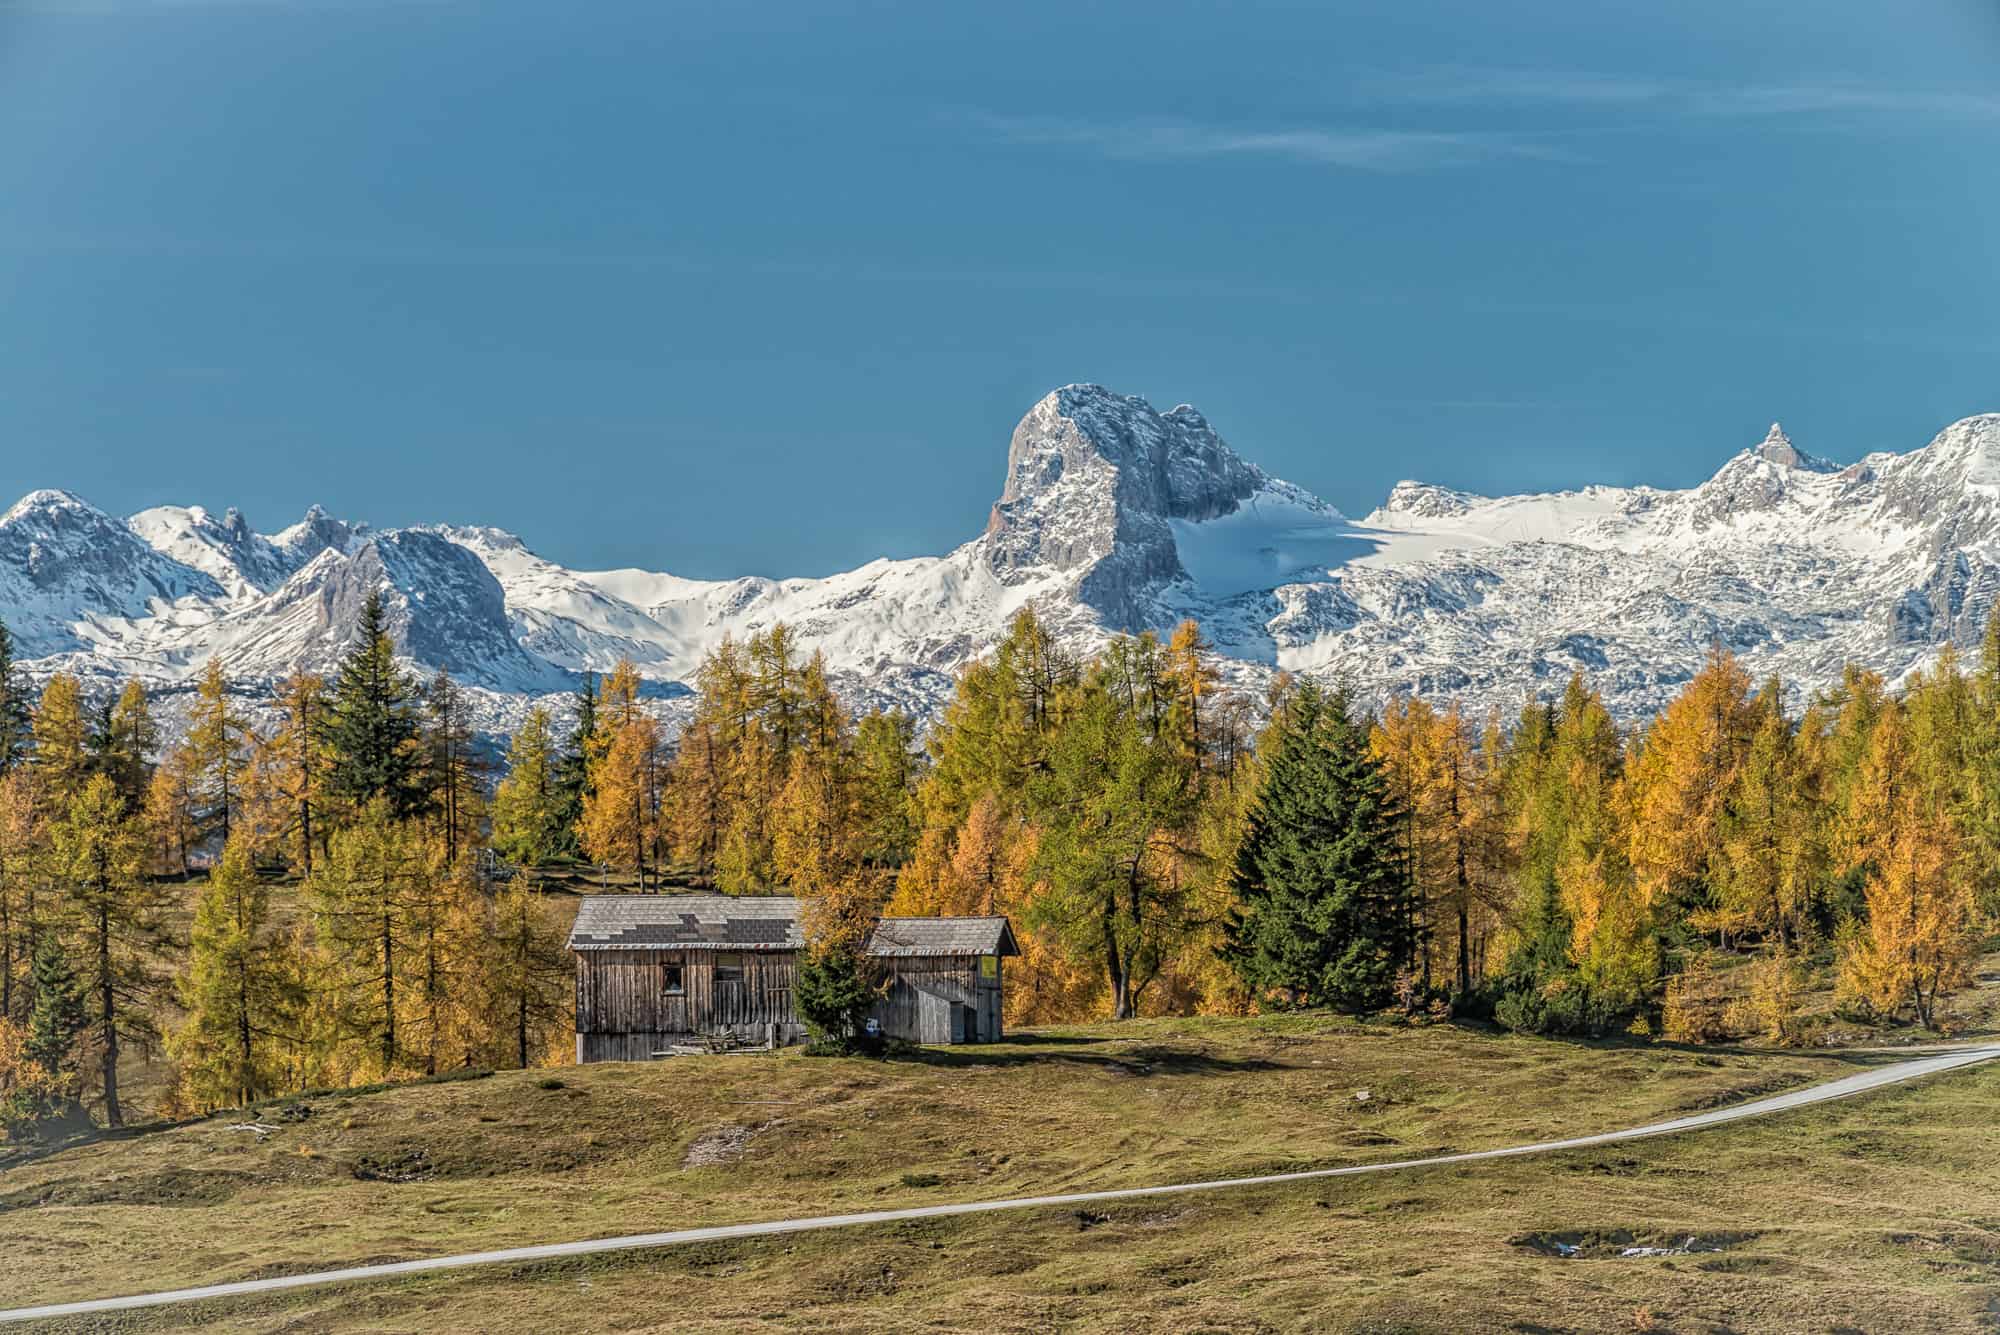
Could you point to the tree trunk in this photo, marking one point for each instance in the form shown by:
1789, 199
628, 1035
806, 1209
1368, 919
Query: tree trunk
388, 997
108, 1014
1115, 966
246, 1081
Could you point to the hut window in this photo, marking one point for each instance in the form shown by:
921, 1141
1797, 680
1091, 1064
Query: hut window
728, 968
670, 979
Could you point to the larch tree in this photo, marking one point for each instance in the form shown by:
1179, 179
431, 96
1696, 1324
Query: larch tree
1114, 808
1680, 780
22, 859
1471, 852
1918, 938
129, 740
296, 761
451, 771
115, 919
527, 975
621, 813
54, 1038
362, 896
173, 813
238, 991
1192, 675
62, 743
1771, 837
528, 804
443, 1024
218, 747
887, 765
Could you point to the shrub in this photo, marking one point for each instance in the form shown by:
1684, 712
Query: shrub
835, 992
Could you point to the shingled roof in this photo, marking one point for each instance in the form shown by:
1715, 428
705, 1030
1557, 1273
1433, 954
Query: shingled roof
763, 922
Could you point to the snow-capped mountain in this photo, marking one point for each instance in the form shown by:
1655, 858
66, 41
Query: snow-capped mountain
1112, 517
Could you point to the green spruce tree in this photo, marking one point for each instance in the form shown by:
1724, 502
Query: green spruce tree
1324, 917
572, 775
372, 730
17, 737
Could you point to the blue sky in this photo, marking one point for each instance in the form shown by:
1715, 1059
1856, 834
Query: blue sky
724, 288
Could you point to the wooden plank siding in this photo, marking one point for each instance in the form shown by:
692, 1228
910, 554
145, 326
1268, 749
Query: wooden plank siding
622, 1004
922, 992
625, 1013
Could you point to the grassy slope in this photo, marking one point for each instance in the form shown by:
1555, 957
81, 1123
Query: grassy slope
1889, 1205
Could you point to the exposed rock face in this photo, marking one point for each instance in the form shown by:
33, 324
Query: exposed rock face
1114, 517
1093, 479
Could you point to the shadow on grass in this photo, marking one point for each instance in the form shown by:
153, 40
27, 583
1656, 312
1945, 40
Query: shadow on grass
1043, 1050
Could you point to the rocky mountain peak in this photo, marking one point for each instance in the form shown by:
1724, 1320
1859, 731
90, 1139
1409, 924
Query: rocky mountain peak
1094, 479
1424, 500
1778, 448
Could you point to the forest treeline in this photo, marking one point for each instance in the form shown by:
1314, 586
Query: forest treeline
1162, 845
383, 953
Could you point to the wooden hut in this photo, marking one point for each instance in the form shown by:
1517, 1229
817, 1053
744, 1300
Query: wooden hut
657, 970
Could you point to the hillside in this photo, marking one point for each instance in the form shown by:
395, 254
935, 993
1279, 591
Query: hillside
1901, 1184
1112, 517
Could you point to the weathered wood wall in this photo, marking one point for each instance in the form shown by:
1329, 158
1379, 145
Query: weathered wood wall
924, 993
621, 995
624, 1013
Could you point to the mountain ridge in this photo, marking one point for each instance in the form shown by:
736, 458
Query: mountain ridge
1112, 517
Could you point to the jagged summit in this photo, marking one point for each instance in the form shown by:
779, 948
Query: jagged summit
1113, 516
1777, 448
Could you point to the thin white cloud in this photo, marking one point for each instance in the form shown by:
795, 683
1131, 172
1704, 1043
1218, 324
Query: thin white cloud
1582, 88
1358, 149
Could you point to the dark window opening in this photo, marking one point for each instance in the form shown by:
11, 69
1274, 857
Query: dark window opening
670, 979
728, 968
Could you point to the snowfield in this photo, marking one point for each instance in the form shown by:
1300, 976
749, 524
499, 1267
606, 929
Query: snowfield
1113, 517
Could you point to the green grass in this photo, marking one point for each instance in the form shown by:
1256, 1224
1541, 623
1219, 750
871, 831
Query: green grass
1808, 1203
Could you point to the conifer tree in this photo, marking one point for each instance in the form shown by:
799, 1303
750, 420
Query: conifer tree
362, 896
62, 743
1469, 862
528, 975
1324, 917
20, 844
297, 764
130, 737
528, 804
116, 920
621, 811
172, 813
16, 726
451, 763
218, 748
55, 1031
697, 779
443, 1026
1194, 680
573, 771
886, 771
1682, 777
1918, 938
1114, 807
1770, 836
237, 991
372, 723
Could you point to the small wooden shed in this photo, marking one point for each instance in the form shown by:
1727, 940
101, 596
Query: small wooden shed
655, 970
